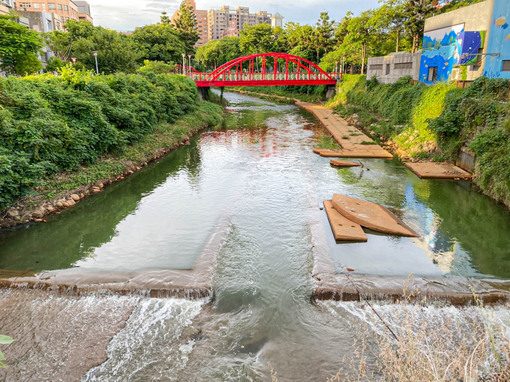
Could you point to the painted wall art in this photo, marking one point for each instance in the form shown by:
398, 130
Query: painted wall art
499, 42
442, 49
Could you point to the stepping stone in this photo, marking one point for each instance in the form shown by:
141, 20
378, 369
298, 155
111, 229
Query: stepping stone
432, 170
343, 229
369, 152
344, 163
371, 215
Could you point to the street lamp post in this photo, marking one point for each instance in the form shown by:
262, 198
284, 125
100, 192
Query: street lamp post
184, 63
95, 57
189, 64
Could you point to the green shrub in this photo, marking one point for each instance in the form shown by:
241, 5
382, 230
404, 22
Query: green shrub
50, 124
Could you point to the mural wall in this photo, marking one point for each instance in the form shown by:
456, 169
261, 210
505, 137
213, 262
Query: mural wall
473, 42
499, 41
442, 49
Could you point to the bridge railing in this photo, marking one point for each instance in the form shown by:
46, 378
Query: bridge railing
226, 77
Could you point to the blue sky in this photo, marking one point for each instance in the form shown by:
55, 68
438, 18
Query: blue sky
125, 15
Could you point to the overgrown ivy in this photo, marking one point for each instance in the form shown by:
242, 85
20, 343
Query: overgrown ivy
50, 124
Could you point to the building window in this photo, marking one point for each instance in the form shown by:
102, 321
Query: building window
59, 7
376, 67
388, 69
404, 65
432, 77
506, 66
37, 5
51, 6
66, 8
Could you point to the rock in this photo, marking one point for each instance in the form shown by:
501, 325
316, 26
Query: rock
82, 195
39, 212
65, 205
100, 185
71, 202
59, 205
75, 197
12, 213
50, 208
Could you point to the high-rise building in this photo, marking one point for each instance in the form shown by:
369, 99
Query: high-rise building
229, 22
6, 6
201, 21
64, 9
218, 23
84, 11
277, 20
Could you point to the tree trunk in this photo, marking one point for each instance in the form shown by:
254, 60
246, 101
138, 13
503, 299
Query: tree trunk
398, 40
415, 43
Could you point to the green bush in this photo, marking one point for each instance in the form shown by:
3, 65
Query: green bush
50, 124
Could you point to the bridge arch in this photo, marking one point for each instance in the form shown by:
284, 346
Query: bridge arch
266, 69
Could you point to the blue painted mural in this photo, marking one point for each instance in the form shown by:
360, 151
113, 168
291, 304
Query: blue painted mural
473, 41
442, 49
499, 41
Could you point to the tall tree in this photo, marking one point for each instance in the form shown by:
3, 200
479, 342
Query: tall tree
159, 42
416, 11
186, 24
19, 47
324, 35
363, 31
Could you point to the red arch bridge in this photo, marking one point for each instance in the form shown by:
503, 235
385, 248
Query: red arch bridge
266, 69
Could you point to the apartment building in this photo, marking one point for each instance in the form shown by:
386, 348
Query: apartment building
229, 22
84, 11
215, 24
201, 21
6, 6
64, 9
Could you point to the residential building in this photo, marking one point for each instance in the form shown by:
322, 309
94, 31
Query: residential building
42, 22
84, 11
201, 21
6, 6
229, 22
389, 69
467, 43
277, 20
64, 9
215, 24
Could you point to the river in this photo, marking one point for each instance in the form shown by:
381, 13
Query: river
257, 183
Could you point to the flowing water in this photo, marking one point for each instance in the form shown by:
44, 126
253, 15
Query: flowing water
257, 182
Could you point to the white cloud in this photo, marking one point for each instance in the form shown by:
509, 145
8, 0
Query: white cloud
126, 15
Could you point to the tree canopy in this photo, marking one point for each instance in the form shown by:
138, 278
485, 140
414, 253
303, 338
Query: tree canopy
19, 47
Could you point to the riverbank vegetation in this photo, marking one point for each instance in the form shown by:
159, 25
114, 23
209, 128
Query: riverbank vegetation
437, 122
69, 123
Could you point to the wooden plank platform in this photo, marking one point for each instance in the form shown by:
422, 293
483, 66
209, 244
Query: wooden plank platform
432, 170
344, 163
343, 228
370, 152
371, 215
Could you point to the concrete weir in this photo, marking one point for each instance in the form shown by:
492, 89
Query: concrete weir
194, 283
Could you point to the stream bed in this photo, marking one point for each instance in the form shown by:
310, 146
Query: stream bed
258, 184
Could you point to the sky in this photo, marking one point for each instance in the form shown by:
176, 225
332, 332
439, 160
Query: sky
126, 15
